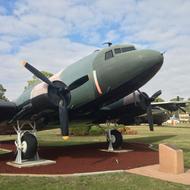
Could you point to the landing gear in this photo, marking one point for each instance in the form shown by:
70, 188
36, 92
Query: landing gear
114, 138
29, 145
26, 142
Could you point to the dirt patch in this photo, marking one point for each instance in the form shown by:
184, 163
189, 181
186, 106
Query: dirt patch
82, 158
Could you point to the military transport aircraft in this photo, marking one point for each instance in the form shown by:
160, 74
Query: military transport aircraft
128, 110
81, 89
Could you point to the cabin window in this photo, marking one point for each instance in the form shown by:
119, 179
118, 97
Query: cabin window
108, 55
125, 49
117, 50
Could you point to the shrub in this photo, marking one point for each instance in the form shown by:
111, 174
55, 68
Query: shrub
95, 131
127, 131
79, 130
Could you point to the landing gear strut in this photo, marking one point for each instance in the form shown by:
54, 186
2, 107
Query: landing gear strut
26, 142
115, 139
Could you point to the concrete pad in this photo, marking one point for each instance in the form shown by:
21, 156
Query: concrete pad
115, 151
153, 171
63, 175
31, 163
5, 150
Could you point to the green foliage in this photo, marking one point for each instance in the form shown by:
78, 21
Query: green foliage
35, 80
79, 130
95, 131
159, 100
2, 93
177, 99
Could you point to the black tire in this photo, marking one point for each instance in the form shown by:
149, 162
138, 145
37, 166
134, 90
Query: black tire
118, 138
31, 146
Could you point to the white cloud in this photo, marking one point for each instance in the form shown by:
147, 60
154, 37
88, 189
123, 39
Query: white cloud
112, 36
156, 25
4, 47
51, 55
41, 32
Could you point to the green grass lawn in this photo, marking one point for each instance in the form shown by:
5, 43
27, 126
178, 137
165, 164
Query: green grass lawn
121, 181
180, 136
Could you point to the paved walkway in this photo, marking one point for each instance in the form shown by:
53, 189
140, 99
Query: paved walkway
153, 171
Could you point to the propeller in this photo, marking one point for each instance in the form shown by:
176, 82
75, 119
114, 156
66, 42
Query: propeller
59, 94
147, 104
182, 109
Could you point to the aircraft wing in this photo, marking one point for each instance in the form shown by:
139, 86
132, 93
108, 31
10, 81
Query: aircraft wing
7, 110
171, 105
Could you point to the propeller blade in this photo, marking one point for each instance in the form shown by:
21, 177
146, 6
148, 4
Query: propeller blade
63, 118
143, 94
150, 118
37, 73
155, 95
78, 82
182, 109
134, 97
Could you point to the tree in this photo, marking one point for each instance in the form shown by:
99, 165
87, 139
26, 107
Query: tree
177, 99
159, 100
2, 93
35, 80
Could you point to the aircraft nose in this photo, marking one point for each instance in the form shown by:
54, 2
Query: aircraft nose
130, 70
151, 58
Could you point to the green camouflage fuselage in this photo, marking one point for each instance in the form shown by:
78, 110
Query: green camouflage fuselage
129, 71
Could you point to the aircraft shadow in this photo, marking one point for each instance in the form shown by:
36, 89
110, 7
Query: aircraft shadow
150, 140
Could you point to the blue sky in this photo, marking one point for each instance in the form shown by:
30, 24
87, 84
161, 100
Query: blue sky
53, 34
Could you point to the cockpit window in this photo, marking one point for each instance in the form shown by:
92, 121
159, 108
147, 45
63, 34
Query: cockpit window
125, 49
117, 50
108, 54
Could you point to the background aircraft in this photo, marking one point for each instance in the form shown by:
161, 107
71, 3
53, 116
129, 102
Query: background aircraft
138, 107
99, 79
159, 116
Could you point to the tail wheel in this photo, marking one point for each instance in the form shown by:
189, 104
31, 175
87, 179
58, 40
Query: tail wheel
29, 146
116, 138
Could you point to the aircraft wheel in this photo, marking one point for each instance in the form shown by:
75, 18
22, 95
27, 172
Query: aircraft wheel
29, 145
116, 138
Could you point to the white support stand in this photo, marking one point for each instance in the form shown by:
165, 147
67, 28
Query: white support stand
19, 145
110, 140
22, 146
